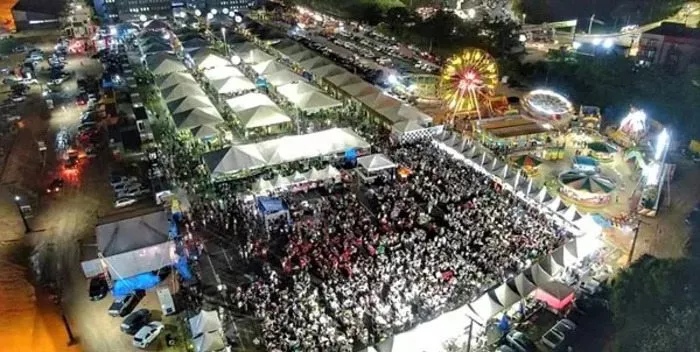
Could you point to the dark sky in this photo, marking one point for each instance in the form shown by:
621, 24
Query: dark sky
606, 10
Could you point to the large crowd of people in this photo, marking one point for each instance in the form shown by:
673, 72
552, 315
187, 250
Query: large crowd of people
351, 267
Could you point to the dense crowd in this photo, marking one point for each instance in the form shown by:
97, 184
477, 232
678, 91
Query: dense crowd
351, 268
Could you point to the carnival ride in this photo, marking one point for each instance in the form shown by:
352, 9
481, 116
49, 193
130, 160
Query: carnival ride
585, 187
467, 83
547, 105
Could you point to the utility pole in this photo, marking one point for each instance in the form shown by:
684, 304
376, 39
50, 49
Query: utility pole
24, 219
590, 23
634, 242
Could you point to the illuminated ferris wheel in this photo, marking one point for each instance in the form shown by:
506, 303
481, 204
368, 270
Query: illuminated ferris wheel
468, 80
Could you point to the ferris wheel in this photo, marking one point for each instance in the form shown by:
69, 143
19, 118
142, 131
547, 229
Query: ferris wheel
468, 80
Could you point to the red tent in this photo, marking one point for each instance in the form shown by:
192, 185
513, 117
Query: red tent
555, 294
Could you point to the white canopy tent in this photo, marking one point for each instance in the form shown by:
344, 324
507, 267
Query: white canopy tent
292, 91
205, 321
268, 67
174, 79
404, 112
327, 70
281, 150
378, 100
209, 342
188, 103
301, 55
406, 126
357, 89
196, 117
222, 72
283, 77
262, 186
255, 56
208, 59
262, 116
204, 131
344, 78
164, 63
181, 90
248, 101
314, 62
242, 48
232, 85
375, 162
306, 97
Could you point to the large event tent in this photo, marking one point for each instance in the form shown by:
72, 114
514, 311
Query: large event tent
302, 55
204, 131
222, 72
208, 59
283, 77
181, 90
197, 117
189, 102
360, 88
173, 79
232, 85
379, 100
163, 64
281, 150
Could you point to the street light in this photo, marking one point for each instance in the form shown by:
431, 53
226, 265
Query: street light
223, 36
24, 220
225, 10
197, 12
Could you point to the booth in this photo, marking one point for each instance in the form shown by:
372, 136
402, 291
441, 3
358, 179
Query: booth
272, 208
372, 166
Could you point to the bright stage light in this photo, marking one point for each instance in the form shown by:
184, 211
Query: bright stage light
235, 60
214, 11
661, 144
651, 174
634, 122
143, 18
608, 43
197, 12
522, 38
471, 13
210, 15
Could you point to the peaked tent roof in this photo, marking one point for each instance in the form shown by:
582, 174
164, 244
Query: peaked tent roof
232, 85
222, 72
344, 78
261, 116
132, 233
255, 56
204, 131
375, 162
205, 321
504, 295
189, 102
485, 307
196, 117
207, 59
289, 48
164, 63
156, 47
195, 43
283, 77
268, 67
181, 90
243, 48
360, 88
248, 101
315, 101
301, 55
327, 70
406, 126
174, 78
292, 91
378, 101
209, 342
404, 112
314, 62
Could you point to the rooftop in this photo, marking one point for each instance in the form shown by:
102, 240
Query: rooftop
675, 30
52, 7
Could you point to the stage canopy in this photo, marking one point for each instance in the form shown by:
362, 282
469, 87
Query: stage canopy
222, 72
207, 59
181, 90
314, 175
163, 64
174, 79
407, 126
196, 117
375, 162
188, 103
282, 150
232, 85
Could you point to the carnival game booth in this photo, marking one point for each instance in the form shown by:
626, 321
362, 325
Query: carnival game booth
272, 208
586, 188
511, 131
528, 163
588, 117
601, 151
375, 165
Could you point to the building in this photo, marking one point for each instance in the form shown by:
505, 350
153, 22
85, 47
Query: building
37, 14
107, 10
672, 45
132, 10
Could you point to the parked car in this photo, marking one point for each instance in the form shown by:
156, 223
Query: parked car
519, 342
55, 186
19, 49
98, 288
124, 202
147, 334
552, 339
17, 98
124, 305
135, 321
133, 192
124, 184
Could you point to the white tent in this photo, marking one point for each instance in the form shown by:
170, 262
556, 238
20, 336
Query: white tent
292, 91
315, 101
505, 295
222, 72
342, 79
290, 48
484, 308
281, 181
255, 56
588, 226
262, 116
248, 101
563, 257
174, 78
207, 59
375, 162
205, 321
570, 213
523, 285
358, 89
163, 64
242, 48
285, 149
232, 85
181, 90
298, 177
404, 112
314, 62
283, 77
268, 67
196, 117
209, 342
204, 131
378, 100
406, 126
261, 186
327, 70
301, 55
188, 103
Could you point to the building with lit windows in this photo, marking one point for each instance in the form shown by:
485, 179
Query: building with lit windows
672, 45
37, 14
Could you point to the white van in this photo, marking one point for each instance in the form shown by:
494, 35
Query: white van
166, 301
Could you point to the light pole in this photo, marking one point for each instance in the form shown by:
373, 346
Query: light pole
590, 23
223, 35
24, 220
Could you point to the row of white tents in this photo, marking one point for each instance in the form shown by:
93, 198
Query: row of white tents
286, 149
262, 186
207, 332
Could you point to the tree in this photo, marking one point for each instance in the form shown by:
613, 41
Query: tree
655, 305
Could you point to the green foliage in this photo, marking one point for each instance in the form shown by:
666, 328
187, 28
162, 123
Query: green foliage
614, 83
655, 305
620, 11
6, 45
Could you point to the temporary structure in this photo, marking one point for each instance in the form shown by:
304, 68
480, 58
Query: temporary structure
207, 59
209, 342
375, 162
283, 77
232, 85
315, 101
327, 70
204, 132
268, 67
163, 63
248, 101
357, 89
181, 90
262, 116
404, 112
197, 117
189, 102
484, 308
342, 79
255, 56
205, 321
222, 72
314, 62
173, 79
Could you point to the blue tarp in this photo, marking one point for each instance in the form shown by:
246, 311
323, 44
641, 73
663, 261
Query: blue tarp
584, 160
183, 269
173, 231
130, 284
270, 205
